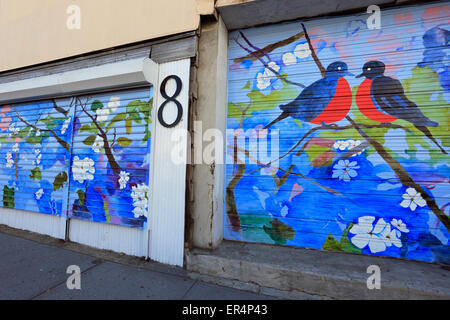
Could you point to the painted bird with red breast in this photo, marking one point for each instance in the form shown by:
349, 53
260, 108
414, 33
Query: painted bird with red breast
325, 101
381, 98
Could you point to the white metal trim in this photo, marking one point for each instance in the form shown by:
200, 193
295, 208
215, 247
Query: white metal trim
111, 75
168, 179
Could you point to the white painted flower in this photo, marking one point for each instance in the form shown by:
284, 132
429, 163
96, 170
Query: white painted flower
38, 159
289, 59
366, 234
392, 237
140, 201
353, 144
412, 199
12, 128
15, 147
123, 179
302, 51
114, 103
39, 193
98, 144
65, 125
9, 160
263, 80
399, 225
345, 170
83, 169
38, 133
37, 151
102, 114
340, 145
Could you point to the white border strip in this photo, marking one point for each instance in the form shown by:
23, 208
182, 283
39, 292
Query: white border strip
47, 224
111, 75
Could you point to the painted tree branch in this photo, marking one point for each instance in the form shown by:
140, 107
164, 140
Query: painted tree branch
231, 208
404, 177
108, 151
313, 53
232, 212
63, 143
279, 76
256, 161
330, 127
269, 48
62, 110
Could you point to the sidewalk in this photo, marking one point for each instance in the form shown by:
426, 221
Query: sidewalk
34, 267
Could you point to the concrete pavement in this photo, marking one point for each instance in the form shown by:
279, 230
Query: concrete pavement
34, 267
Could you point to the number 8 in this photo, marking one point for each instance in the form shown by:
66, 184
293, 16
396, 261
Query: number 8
170, 99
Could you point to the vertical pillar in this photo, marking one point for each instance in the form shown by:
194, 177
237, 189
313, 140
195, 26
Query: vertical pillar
207, 178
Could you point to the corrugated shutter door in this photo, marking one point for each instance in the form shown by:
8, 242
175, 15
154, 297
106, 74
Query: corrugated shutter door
354, 164
34, 152
109, 178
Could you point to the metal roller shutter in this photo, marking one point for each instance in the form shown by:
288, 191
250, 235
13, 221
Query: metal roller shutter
109, 179
98, 144
354, 164
35, 151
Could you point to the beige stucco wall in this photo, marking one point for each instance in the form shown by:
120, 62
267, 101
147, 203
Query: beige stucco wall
35, 31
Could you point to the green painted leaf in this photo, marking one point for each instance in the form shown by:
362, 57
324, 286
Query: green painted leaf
24, 132
331, 244
128, 125
34, 140
59, 181
52, 122
96, 105
279, 232
8, 197
36, 174
147, 136
346, 244
320, 155
298, 123
135, 117
247, 85
81, 196
117, 118
235, 110
106, 209
124, 142
89, 141
89, 128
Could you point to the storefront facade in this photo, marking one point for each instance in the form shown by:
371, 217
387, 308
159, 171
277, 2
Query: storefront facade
106, 140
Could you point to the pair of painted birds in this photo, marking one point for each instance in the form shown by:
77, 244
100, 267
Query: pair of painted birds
379, 98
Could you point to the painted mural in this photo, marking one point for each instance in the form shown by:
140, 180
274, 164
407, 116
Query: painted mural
361, 125
85, 157
34, 154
